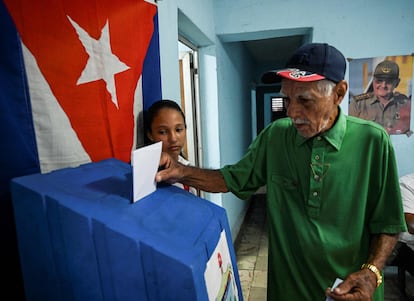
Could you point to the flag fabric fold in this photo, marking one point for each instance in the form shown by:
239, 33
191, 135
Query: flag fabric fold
83, 67
74, 78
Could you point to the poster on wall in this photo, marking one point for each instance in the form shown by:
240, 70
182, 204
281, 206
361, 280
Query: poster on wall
380, 90
219, 274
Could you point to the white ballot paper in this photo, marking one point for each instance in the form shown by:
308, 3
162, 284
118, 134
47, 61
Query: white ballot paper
336, 283
145, 162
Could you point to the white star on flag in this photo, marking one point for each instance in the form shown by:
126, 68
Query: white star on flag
102, 63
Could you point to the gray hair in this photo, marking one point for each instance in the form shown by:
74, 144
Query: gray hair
326, 87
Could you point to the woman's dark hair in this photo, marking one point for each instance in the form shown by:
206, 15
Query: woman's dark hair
153, 111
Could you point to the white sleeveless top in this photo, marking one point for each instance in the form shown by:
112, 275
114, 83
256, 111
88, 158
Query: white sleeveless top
180, 185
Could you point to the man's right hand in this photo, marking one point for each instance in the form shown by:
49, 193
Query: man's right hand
169, 169
172, 172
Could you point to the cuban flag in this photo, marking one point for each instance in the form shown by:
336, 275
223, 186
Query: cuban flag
74, 78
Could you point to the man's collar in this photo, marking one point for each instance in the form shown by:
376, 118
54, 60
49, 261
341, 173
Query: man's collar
376, 99
333, 136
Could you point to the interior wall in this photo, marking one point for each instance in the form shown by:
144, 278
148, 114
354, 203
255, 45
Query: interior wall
358, 28
195, 21
234, 65
168, 35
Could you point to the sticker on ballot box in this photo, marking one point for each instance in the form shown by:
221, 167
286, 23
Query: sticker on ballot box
219, 273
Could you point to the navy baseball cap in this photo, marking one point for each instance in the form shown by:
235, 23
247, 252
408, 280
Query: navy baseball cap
311, 62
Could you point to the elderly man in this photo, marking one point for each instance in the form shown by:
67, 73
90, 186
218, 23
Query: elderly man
333, 199
383, 104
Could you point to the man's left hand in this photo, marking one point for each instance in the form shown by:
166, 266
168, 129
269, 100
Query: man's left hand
358, 286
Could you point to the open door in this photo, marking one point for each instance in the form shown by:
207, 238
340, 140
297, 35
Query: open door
190, 102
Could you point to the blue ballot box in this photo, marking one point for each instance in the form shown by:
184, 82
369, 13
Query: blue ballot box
81, 238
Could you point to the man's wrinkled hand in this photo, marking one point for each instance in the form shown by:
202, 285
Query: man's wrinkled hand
169, 169
358, 286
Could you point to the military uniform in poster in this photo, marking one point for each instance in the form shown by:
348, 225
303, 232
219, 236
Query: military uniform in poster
394, 116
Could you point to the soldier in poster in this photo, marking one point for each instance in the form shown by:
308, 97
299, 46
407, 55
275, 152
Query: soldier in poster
382, 103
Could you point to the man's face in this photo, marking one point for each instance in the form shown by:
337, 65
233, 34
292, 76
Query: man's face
311, 110
384, 87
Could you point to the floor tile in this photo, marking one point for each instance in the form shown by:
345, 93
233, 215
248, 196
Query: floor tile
246, 276
261, 263
246, 262
257, 294
259, 279
247, 249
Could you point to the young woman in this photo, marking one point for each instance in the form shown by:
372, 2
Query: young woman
165, 121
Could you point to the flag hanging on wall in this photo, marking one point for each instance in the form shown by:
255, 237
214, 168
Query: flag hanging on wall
76, 76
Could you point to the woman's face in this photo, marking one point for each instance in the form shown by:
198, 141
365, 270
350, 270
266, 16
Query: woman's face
168, 126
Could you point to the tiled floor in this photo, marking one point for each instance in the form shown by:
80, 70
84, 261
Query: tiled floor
251, 251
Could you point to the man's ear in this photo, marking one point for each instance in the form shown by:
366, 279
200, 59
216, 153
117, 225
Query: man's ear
340, 90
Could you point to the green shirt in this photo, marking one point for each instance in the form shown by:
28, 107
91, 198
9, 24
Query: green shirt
325, 197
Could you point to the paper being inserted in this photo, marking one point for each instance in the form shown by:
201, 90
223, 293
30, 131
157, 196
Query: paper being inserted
145, 161
336, 283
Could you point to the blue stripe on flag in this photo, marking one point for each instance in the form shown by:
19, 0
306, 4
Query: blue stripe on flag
18, 153
151, 74
18, 149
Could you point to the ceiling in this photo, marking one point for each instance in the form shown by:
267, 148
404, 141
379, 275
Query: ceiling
273, 50
272, 53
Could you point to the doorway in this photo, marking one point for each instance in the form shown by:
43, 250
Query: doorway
190, 100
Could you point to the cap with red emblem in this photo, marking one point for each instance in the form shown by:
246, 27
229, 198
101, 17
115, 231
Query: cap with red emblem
311, 62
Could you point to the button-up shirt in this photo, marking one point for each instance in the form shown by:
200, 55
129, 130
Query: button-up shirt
326, 196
